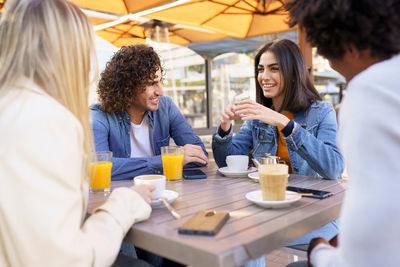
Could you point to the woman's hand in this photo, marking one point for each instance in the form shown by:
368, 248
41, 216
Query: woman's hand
250, 110
145, 191
227, 116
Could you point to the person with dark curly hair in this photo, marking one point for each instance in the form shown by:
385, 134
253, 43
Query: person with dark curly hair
361, 40
134, 120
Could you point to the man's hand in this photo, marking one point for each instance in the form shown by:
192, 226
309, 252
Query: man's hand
194, 153
314, 242
145, 191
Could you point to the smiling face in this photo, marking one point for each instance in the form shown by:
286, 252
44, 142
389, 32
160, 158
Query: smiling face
147, 100
269, 78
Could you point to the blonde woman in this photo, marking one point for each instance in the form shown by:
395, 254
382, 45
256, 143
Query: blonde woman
45, 58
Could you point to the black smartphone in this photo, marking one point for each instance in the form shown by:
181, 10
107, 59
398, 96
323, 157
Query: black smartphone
320, 194
193, 174
205, 222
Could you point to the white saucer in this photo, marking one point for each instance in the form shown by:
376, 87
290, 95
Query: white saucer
235, 174
254, 176
169, 194
256, 197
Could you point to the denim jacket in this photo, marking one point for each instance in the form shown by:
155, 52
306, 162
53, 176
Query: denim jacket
311, 145
112, 132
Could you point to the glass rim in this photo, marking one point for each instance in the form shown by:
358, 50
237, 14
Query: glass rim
161, 176
99, 154
275, 165
171, 149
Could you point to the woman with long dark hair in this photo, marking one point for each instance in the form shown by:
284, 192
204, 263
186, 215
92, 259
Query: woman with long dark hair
289, 120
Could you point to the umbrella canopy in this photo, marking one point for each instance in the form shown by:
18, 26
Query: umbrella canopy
119, 6
133, 32
237, 18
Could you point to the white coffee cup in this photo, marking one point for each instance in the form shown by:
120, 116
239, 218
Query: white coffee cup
237, 162
157, 180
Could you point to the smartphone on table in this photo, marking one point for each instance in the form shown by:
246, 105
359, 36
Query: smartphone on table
319, 194
205, 222
193, 174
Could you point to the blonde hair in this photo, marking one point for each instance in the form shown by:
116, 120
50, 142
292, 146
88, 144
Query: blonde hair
50, 42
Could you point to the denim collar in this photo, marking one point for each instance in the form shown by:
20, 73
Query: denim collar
150, 118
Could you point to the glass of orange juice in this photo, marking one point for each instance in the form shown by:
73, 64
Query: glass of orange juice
100, 172
172, 160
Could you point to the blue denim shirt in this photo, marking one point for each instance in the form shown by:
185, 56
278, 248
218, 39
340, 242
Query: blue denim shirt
112, 133
311, 145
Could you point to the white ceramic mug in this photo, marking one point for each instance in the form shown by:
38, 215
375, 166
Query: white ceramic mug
237, 162
157, 180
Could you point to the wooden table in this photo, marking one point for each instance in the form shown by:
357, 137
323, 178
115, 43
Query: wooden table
250, 232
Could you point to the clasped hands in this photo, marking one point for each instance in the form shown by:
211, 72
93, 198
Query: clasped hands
250, 110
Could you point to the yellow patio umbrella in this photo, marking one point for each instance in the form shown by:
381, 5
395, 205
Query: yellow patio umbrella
119, 6
235, 18
133, 32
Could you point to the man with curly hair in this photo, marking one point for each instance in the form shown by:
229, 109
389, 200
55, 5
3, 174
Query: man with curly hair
361, 40
134, 120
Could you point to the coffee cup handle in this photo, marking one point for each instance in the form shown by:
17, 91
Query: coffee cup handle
282, 162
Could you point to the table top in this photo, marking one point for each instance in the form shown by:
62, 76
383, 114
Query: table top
250, 232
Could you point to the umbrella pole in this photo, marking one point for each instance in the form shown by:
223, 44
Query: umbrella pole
174, 91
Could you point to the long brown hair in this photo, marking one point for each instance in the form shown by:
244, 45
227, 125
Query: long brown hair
298, 90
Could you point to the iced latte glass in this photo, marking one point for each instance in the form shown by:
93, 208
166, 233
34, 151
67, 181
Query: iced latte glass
273, 180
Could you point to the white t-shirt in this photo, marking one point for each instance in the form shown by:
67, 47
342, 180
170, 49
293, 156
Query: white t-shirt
140, 140
369, 139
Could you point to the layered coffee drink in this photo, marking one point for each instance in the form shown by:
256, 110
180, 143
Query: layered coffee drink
273, 180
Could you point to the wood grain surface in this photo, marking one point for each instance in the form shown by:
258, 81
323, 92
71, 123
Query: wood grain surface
250, 232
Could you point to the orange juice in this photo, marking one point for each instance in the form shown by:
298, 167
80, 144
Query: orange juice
100, 175
172, 165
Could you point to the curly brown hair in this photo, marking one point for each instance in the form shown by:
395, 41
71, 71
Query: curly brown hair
126, 75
